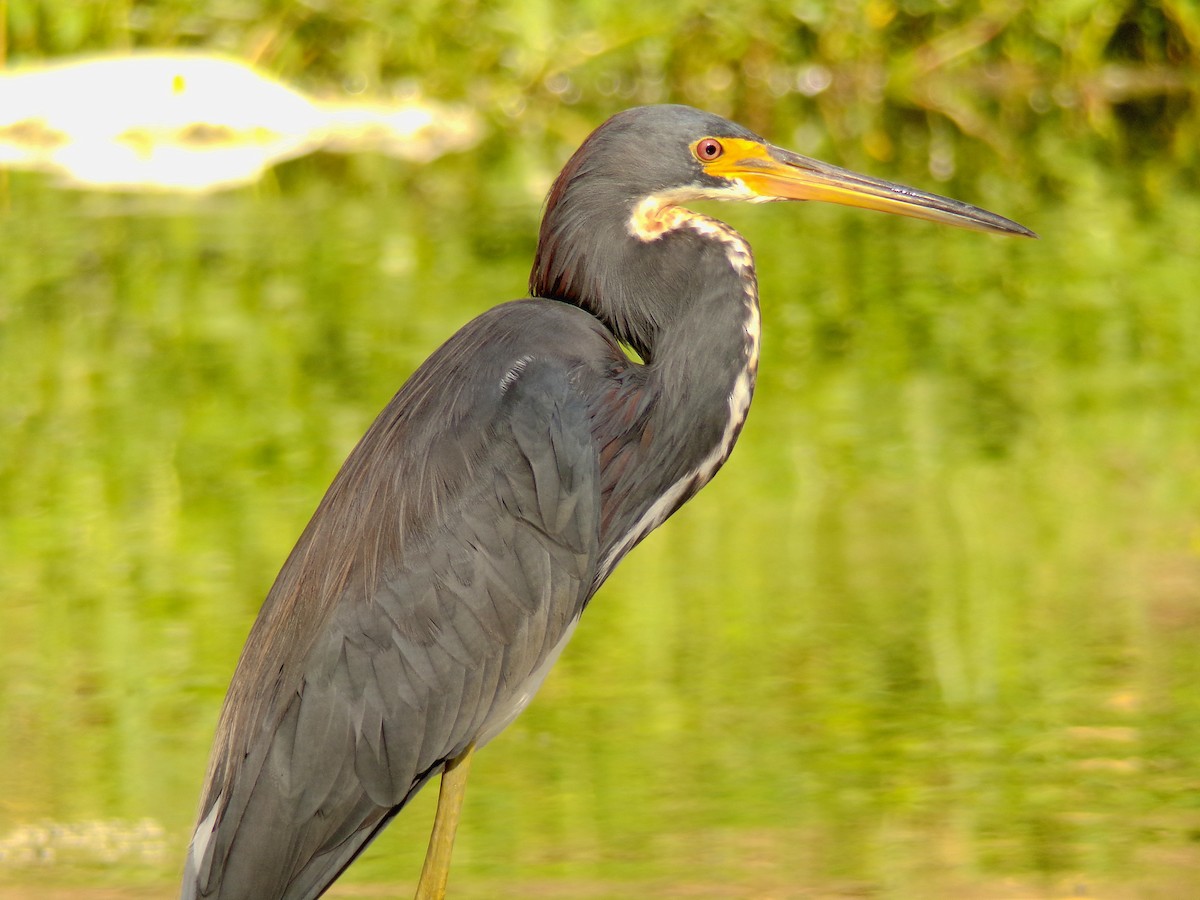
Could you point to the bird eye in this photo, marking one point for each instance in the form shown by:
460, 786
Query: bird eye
708, 149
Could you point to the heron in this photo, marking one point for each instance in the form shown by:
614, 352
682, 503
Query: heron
450, 560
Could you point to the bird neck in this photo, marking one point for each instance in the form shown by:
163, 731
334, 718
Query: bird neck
702, 356
703, 362
681, 291
645, 269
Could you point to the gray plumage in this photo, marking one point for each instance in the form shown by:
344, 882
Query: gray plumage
458, 545
424, 632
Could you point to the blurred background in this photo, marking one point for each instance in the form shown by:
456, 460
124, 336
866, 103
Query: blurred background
931, 633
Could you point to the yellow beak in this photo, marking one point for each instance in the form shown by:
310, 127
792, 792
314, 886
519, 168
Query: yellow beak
773, 173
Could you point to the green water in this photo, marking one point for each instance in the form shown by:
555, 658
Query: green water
931, 633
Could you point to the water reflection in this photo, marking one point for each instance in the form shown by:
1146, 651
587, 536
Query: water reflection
930, 633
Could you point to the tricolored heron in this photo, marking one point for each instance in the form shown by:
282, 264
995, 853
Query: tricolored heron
452, 556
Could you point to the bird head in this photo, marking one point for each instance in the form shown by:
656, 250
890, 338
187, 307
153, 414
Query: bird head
626, 184
680, 154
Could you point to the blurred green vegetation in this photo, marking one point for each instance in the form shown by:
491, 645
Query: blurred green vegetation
930, 633
1043, 86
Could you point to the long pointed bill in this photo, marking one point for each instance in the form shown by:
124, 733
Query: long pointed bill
776, 174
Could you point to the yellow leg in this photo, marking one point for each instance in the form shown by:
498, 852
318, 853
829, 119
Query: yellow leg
436, 870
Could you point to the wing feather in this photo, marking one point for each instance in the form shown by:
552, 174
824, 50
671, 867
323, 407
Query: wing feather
420, 609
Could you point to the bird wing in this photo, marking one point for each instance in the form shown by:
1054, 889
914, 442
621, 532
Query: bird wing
426, 599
